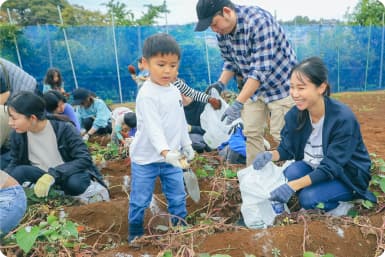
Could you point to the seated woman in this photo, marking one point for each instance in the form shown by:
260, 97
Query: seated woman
56, 103
323, 136
93, 113
13, 203
123, 125
47, 152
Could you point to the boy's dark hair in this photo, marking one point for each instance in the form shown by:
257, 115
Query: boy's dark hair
48, 80
130, 119
52, 99
140, 59
162, 44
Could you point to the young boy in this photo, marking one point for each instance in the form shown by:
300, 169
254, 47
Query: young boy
161, 140
142, 75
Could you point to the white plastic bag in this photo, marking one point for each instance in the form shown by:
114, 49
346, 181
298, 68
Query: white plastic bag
255, 187
217, 131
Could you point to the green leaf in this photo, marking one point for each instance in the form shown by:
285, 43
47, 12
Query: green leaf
328, 255
229, 173
367, 204
382, 184
201, 173
352, 213
26, 237
320, 206
167, 254
69, 230
203, 255
51, 219
308, 254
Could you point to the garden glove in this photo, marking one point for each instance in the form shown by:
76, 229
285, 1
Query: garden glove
215, 103
43, 185
261, 160
131, 69
281, 194
173, 158
86, 137
232, 112
219, 86
188, 151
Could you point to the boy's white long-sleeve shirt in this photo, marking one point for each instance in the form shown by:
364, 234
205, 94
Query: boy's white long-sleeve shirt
161, 123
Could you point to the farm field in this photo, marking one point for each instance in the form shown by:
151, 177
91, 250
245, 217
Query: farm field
215, 228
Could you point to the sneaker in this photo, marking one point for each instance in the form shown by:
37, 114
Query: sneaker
94, 193
341, 210
133, 242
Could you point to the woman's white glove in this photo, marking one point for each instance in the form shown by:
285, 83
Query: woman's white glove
86, 137
173, 158
188, 151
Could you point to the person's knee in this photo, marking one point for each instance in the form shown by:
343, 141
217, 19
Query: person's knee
296, 170
308, 198
76, 186
17, 173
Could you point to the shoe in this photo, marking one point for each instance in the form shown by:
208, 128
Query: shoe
341, 210
94, 193
133, 242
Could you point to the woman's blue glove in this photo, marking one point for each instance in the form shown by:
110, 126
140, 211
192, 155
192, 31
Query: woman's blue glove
261, 160
281, 194
232, 112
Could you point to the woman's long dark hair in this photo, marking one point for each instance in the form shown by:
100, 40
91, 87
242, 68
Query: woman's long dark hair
28, 104
315, 70
48, 80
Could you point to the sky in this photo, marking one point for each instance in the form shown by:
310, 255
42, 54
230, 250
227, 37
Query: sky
183, 11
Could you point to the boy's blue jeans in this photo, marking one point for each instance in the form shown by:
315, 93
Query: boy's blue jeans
142, 187
329, 192
13, 205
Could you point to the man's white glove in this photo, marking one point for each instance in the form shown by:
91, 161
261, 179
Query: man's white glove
83, 131
173, 158
188, 151
86, 137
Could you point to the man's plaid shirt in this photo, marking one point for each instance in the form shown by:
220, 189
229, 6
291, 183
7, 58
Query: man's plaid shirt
259, 49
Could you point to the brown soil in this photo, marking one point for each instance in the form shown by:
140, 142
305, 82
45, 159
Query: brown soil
219, 208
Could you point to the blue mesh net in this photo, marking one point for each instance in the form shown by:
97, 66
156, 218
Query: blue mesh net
354, 55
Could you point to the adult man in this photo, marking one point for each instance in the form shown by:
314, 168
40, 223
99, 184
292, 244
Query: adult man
253, 44
12, 80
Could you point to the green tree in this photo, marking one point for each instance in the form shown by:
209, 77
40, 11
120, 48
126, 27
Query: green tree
77, 15
122, 16
299, 20
366, 12
32, 12
153, 13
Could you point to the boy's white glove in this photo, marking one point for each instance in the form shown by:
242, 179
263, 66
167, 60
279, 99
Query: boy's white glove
188, 151
173, 158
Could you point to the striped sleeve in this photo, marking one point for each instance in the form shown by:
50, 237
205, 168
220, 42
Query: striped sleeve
190, 92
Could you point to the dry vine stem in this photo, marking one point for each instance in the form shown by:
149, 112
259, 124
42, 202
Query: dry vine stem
304, 231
